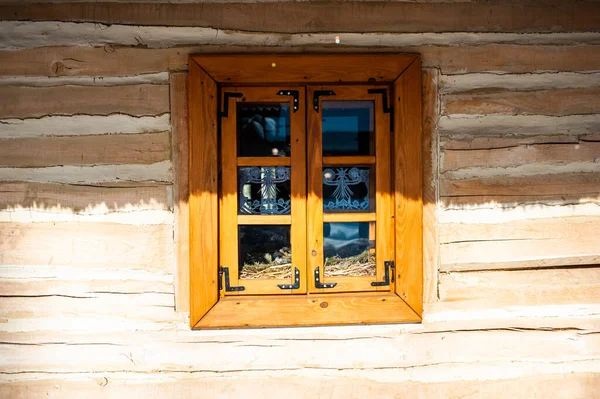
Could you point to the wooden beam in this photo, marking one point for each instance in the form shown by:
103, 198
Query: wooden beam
310, 68
520, 243
557, 102
85, 245
85, 199
181, 190
431, 247
135, 100
122, 61
86, 150
203, 192
326, 16
408, 185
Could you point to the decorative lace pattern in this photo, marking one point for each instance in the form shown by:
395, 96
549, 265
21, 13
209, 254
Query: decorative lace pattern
342, 179
267, 177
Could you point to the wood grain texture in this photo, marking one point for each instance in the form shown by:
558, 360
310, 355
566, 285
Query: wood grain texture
34, 102
86, 150
408, 186
438, 352
203, 191
180, 155
327, 16
310, 68
520, 244
541, 102
519, 154
120, 61
522, 287
564, 188
430, 185
300, 385
85, 245
292, 310
83, 199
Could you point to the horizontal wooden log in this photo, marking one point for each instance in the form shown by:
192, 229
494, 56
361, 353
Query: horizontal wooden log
105, 245
84, 199
298, 385
546, 102
520, 244
94, 175
86, 150
452, 160
331, 16
44, 81
38, 287
522, 287
523, 82
509, 191
135, 100
116, 61
430, 351
521, 125
82, 125
20, 35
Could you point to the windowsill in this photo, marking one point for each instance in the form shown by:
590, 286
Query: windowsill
312, 310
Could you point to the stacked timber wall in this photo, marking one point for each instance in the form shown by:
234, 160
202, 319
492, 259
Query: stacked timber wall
92, 195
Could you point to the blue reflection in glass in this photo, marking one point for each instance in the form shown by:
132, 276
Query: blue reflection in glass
347, 128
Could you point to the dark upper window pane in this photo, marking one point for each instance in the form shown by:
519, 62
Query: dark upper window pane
263, 130
349, 249
348, 128
264, 190
265, 252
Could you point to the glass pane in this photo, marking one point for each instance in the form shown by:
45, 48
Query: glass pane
349, 249
263, 130
264, 190
348, 128
265, 252
348, 189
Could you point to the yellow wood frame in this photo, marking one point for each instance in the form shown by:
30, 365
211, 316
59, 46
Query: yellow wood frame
382, 216
405, 303
230, 220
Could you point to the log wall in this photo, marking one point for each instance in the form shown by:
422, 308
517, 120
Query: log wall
93, 165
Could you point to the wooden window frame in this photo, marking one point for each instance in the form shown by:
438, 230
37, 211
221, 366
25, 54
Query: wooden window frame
207, 73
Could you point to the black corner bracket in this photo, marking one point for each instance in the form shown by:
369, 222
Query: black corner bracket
294, 93
389, 264
318, 283
319, 93
226, 96
296, 284
386, 105
224, 271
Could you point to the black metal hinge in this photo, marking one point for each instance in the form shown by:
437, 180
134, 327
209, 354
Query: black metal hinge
224, 271
319, 93
387, 109
389, 264
296, 284
318, 283
226, 96
294, 93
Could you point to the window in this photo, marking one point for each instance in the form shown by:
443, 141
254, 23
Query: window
305, 190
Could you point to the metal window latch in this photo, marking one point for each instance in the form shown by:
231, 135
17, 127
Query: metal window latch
319, 93
226, 96
389, 264
387, 109
296, 284
318, 283
224, 271
294, 93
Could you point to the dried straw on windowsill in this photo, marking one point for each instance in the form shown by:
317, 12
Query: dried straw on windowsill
354, 266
